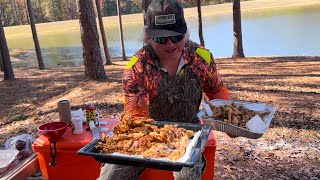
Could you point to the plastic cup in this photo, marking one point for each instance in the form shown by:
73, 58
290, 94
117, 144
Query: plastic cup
77, 125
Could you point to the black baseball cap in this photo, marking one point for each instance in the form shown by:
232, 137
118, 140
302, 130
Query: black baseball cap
165, 18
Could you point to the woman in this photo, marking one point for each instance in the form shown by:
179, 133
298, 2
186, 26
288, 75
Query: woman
166, 78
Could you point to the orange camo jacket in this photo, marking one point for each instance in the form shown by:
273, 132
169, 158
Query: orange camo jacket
141, 80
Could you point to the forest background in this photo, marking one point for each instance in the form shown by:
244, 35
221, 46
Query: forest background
13, 12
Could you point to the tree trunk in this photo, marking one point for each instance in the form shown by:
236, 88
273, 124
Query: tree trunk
1, 61
237, 34
93, 64
124, 57
103, 34
35, 36
7, 67
71, 10
40, 12
200, 23
17, 11
145, 4
53, 11
13, 8
22, 13
35, 11
4, 15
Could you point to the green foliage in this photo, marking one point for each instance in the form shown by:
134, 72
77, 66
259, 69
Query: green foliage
127, 7
54, 10
13, 12
109, 8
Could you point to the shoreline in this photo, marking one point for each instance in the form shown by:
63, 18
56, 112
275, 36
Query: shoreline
225, 8
115, 60
206, 10
258, 5
15, 32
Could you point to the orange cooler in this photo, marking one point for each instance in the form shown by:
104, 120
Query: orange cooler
69, 165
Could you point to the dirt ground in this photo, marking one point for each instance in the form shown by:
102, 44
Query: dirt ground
289, 150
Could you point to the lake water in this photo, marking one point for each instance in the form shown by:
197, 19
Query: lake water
293, 31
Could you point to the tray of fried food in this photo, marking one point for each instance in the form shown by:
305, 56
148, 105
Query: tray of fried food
148, 143
237, 118
140, 137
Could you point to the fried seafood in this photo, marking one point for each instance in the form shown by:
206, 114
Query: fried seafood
127, 123
139, 137
232, 114
181, 148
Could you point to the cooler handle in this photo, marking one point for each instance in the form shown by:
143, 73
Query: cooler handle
53, 152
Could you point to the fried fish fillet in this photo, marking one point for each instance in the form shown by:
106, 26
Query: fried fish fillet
139, 137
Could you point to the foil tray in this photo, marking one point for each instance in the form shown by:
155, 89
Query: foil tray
233, 130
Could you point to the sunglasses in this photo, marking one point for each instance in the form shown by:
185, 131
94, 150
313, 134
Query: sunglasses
163, 40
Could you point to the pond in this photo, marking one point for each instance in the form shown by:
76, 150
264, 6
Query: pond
290, 31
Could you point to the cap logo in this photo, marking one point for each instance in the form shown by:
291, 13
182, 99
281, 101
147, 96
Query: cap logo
165, 19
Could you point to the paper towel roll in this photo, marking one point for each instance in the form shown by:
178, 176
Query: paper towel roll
207, 109
91, 124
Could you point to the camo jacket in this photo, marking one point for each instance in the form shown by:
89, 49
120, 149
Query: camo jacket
142, 76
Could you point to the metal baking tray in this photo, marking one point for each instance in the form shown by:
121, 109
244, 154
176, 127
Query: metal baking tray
230, 129
89, 150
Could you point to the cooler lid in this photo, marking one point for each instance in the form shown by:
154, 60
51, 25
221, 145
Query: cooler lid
70, 141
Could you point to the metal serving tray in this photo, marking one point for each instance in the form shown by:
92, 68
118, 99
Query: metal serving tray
89, 150
230, 129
